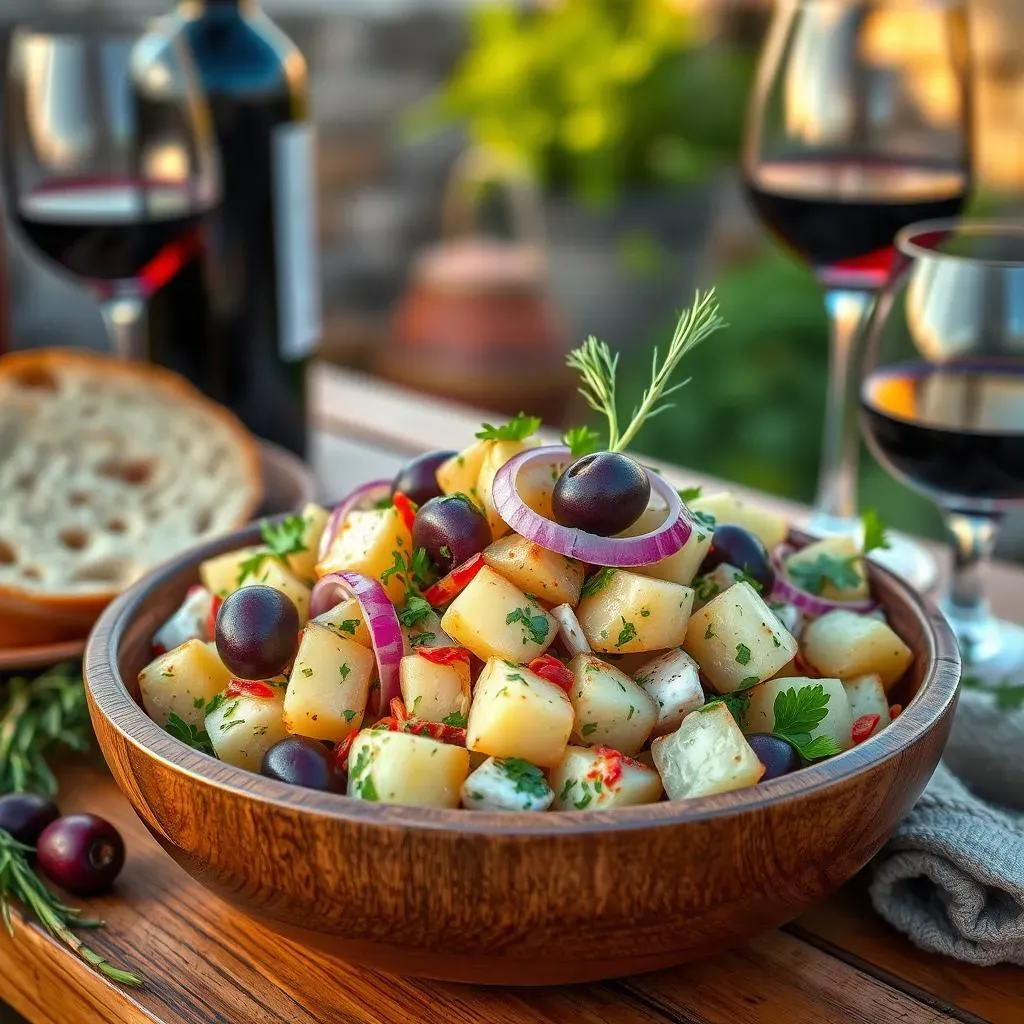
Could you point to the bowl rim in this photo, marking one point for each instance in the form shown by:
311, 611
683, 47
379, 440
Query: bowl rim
114, 703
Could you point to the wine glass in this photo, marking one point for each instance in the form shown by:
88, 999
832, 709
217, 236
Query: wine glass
942, 404
860, 123
107, 173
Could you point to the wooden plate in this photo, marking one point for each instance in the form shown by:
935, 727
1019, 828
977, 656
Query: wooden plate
288, 483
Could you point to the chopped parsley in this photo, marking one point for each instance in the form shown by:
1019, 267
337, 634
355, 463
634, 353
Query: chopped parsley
349, 626
535, 624
797, 712
736, 704
527, 778
566, 789
588, 728
307, 672
596, 583
519, 428
709, 632
742, 654
745, 577
748, 682
515, 677
627, 633
645, 613
412, 569
706, 588
705, 519
632, 712
214, 703
361, 779
581, 441
841, 573
583, 801
226, 725
344, 670
775, 640
282, 540
419, 639
456, 718
349, 714
197, 739
688, 494
199, 702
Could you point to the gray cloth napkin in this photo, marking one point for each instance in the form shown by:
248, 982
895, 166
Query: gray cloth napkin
952, 877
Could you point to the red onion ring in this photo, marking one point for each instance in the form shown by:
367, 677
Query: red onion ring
365, 494
808, 603
588, 547
381, 620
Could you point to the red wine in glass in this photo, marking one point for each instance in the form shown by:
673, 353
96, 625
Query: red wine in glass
841, 215
956, 429
110, 230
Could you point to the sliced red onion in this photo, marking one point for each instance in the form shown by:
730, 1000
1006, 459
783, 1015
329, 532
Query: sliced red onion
380, 617
808, 603
363, 497
588, 547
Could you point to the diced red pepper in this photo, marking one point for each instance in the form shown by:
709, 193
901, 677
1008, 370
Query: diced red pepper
211, 619
399, 710
895, 710
400, 721
444, 655
405, 508
864, 727
455, 582
341, 752
159, 649
613, 761
551, 669
250, 688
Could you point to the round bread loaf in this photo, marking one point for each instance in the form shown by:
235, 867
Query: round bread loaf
106, 469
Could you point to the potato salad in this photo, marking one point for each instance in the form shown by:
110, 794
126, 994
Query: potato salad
530, 627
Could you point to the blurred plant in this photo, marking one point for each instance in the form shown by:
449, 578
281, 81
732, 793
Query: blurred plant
753, 413
597, 95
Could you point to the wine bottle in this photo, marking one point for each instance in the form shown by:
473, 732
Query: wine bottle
241, 318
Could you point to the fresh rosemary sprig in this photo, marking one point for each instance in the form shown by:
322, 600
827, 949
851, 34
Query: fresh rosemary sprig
37, 715
19, 882
597, 366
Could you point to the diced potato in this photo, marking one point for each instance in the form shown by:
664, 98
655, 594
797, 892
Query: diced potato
551, 577
867, 697
626, 612
273, 574
460, 473
507, 785
611, 709
181, 682
497, 455
221, 575
707, 754
840, 549
434, 692
400, 768
346, 619
189, 622
536, 484
570, 632
426, 632
495, 619
672, 681
242, 729
329, 685
771, 527
516, 713
759, 715
844, 644
737, 640
631, 663
368, 542
303, 563
598, 778
683, 565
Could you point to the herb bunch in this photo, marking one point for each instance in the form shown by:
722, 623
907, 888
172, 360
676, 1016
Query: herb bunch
19, 882
37, 716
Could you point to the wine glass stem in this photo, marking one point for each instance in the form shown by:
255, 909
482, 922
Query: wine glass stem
973, 537
836, 504
124, 313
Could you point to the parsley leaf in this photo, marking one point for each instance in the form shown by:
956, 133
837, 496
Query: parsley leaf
688, 494
588, 728
627, 633
363, 786
416, 609
349, 626
797, 712
874, 531
282, 540
745, 577
736, 704
742, 654
198, 739
527, 778
456, 718
582, 441
519, 428
535, 626
419, 639
596, 583
705, 519
412, 569
814, 575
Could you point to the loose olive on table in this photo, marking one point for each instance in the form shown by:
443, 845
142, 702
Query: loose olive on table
417, 479
257, 632
25, 815
81, 853
450, 530
601, 494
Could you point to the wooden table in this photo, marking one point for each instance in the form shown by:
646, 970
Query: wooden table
207, 964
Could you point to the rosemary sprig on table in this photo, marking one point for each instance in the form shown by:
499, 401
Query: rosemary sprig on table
36, 716
597, 366
19, 882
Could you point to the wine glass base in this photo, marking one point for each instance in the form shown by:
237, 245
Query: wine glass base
905, 557
994, 656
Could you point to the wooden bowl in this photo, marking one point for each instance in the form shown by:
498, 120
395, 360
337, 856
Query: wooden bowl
515, 898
